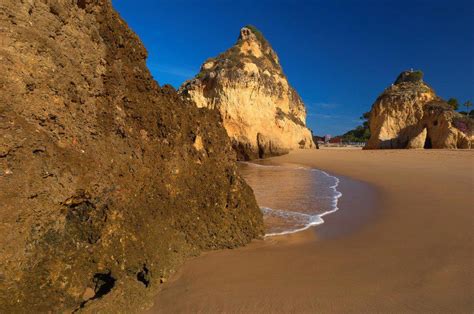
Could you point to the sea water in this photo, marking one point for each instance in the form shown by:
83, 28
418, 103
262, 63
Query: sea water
292, 198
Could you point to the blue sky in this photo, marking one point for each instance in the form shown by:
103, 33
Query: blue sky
339, 55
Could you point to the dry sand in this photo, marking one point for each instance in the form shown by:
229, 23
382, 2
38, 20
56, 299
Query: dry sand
404, 245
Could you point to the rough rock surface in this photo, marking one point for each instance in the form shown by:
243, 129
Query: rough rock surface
107, 181
262, 113
409, 114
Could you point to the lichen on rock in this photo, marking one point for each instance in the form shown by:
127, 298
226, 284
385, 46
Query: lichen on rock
409, 114
107, 180
262, 113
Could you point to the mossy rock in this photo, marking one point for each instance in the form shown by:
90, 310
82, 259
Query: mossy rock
409, 77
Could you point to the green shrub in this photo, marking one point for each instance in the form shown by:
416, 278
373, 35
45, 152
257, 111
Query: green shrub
258, 34
280, 115
359, 134
453, 102
410, 77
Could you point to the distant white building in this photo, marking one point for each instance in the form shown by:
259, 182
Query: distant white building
327, 138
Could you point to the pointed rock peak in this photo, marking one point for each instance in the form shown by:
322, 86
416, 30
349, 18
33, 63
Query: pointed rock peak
409, 82
410, 76
251, 41
250, 32
262, 113
246, 33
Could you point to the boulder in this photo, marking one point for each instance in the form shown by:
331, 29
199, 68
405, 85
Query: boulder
409, 114
246, 84
102, 171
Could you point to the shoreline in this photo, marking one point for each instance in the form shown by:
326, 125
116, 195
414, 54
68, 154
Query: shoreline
358, 206
316, 218
336, 223
411, 253
366, 196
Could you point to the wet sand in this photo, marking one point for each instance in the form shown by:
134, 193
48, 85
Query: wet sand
402, 242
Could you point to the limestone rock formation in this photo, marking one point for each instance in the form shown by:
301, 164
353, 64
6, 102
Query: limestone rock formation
107, 181
409, 114
262, 113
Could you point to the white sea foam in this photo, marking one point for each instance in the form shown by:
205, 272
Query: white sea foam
293, 219
259, 165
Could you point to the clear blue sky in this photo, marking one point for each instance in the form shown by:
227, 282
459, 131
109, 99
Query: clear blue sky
339, 55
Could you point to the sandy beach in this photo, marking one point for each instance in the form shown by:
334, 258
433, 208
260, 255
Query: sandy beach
402, 242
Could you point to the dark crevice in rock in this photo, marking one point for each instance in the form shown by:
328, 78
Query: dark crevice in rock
39, 150
104, 283
144, 276
428, 143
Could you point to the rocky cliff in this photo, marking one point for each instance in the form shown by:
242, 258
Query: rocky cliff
107, 181
262, 113
409, 114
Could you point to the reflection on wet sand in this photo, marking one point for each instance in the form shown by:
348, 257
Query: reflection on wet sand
292, 198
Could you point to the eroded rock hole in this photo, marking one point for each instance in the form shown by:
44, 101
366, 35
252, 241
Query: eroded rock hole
144, 276
39, 150
428, 143
104, 282
261, 152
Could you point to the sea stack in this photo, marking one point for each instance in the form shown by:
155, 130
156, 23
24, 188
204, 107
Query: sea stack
263, 115
107, 180
409, 114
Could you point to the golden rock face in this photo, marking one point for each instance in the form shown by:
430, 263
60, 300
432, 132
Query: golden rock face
262, 114
409, 114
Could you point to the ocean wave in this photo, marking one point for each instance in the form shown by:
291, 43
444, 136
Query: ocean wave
281, 221
312, 220
259, 165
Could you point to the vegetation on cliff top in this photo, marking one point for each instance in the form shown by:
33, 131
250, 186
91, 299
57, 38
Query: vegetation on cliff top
410, 77
454, 104
259, 35
232, 60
